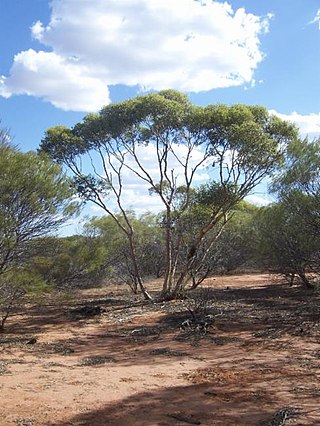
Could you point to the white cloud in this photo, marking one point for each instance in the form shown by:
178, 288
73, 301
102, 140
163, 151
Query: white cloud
258, 200
309, 125
316, 19
135, 192
49, 76
183, 44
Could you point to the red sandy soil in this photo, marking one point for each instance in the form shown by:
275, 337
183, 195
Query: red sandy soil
258, 364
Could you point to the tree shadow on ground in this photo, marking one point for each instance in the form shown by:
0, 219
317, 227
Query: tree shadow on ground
200, 404
148, 333
182, 405
41, 317
268, 306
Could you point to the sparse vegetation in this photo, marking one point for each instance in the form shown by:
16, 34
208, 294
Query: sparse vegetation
164, 313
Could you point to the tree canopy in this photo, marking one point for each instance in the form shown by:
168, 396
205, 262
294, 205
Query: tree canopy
35, 198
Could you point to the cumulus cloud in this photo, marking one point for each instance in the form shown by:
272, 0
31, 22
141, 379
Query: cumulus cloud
309, 125
188, 45
49, 76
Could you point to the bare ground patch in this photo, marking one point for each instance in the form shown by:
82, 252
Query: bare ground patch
106, 359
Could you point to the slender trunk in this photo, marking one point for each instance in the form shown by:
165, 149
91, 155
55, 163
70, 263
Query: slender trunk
139, 279
8, 310
168, 275
304, 279
3, 320
185, 275
197, 281
133, 284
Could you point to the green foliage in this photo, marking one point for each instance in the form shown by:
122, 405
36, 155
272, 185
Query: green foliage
302, 168
298, 185
244, 142
284, 243
15, 284
90, 187
35, 198
251, 135
236, 246
174, 95
69, 262
62, 143
216, 196
233, 242
290, 230
148, 241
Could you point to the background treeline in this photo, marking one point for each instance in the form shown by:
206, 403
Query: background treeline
279, 238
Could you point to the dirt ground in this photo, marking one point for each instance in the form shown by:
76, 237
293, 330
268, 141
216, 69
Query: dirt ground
255, 361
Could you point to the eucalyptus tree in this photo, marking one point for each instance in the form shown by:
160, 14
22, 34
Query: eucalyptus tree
235, 146
285, 245
298, 184
291, 229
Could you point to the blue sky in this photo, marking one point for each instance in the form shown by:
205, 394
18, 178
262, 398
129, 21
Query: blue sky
60, 59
